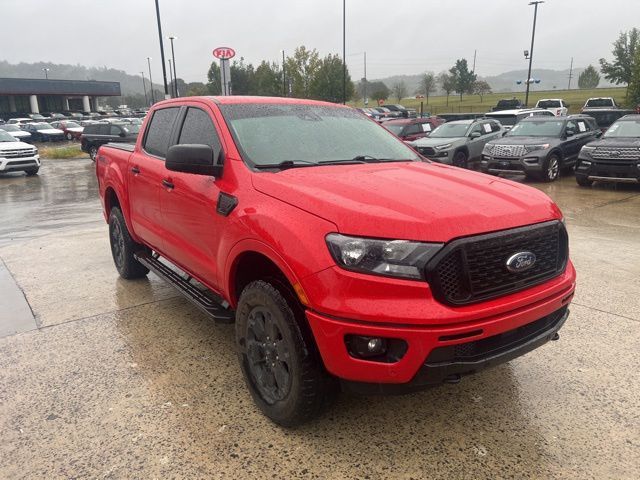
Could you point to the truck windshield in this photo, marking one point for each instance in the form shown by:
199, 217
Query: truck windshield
271, 134
537, 128
624, 128
5, 137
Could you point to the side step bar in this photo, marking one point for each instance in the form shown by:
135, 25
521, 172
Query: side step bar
207, 301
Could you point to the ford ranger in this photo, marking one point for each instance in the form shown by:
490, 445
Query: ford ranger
343, 257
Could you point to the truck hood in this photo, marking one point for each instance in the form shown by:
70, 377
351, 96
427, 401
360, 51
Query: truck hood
524, 140
409, 200
622, 142
4, 146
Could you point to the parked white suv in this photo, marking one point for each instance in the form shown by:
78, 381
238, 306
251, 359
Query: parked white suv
557, 106
16, 156
508, 118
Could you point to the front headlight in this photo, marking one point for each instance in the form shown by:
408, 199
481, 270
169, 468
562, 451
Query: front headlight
588, 150
442, 147
533, 148
392, 258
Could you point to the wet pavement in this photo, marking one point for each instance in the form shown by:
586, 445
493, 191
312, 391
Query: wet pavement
115, 379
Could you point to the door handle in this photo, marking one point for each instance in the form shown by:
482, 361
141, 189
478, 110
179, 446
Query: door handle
167, 184
135, 170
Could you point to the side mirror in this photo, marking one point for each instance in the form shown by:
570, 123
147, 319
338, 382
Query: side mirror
570, 133
193, 158
475, 135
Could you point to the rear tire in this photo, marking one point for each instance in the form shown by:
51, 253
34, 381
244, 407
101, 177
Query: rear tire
123, 247
583, 181
280, 364
69, 136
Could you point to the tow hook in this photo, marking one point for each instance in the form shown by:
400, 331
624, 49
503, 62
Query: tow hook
555, 337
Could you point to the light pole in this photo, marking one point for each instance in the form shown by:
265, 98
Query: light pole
171, 76
153, 97
144, 87
46, 73
175, 75
344, 51
284, 77
164, 67
533, 38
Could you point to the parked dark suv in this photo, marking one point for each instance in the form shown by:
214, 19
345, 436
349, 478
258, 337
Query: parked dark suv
99, 134
508, 104
540, 146
614, 158
605, 117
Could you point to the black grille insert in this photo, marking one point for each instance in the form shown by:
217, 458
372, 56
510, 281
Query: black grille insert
474, 269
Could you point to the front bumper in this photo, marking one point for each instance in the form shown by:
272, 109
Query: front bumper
467, 324
529, 163
19, 164
609, 170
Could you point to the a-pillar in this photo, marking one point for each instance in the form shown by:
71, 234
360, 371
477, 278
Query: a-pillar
86, 106
33, 102
65, 104
12, 104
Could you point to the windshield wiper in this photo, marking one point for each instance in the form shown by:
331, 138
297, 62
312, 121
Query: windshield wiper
364, 159
286, 164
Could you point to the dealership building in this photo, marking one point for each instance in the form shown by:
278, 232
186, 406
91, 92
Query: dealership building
30, 95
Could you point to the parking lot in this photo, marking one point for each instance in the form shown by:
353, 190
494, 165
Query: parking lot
114, 379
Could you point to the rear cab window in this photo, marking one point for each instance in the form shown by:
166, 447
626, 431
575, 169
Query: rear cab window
158, 134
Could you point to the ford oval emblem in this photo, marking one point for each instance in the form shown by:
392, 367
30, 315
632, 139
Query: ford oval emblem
521, 262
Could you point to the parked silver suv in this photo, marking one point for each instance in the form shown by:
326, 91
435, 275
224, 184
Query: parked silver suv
459, 143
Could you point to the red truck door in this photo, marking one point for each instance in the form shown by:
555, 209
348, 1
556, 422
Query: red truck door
146, 174
192, 226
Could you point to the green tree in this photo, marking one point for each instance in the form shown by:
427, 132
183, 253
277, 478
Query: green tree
326, 82
481, 88
399, 90
633, 92
242, 76
196, 89
268, 80
463, 79
214, 80
375, 90
428, 85
301, 69
589, 78
447, 83
624, 53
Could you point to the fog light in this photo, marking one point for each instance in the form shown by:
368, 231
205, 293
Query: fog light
365, 347
586, 163
374, 345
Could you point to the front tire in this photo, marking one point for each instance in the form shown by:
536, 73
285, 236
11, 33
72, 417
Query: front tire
460, 159
123, 247
69, 136
280, 365
93, 153
551, 168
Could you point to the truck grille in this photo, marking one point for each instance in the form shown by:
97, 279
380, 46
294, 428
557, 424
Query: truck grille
20, 153
607, 153
509, 151
474, 269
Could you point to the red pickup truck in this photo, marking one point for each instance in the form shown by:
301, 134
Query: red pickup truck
342, 256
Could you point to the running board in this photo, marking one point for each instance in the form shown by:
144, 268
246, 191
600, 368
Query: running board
207, 301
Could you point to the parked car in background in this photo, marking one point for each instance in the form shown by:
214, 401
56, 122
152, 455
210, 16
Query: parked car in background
540, 147
605, 117
19, 121
451, 117
57, 116
509, 118
371, 113
94, 136
16, 156
613, 158
600, 102
43, 132
72, 130
557, 106
16, 132
387, 114
36, 117
458, 143
410, 129
508, 104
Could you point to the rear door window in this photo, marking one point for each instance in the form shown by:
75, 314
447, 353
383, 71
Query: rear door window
159, 131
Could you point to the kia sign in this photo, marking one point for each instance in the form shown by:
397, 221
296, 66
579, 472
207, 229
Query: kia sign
224, 53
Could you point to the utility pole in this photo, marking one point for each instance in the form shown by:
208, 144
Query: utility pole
162, 59
171, 77
153, 96
475, 52
175, 74
344, 52
364, 92
284, 77
570, 74
533, 38
46, 73
144, 87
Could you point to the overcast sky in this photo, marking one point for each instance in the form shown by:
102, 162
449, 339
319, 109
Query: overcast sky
399, 36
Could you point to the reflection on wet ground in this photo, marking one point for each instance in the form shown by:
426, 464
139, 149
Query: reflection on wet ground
127, 380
